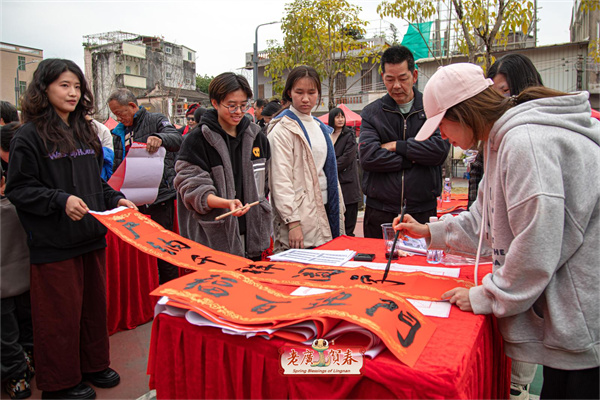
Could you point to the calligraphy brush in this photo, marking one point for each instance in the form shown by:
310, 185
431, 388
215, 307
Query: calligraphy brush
393, 249
227, 214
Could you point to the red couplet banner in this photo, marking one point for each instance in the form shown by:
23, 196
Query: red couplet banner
228, 289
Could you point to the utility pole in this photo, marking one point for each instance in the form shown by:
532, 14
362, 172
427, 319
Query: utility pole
255, 60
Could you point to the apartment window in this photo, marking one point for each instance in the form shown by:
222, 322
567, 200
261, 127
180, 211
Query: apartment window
168, 75
366, 80
22, 87
189, 56
168, 50
340, 83
21, 63
261, 94
127, 69
379, 82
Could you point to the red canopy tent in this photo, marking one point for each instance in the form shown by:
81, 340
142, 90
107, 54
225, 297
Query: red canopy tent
110, 123
352, 118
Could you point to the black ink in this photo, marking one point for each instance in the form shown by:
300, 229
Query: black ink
266, 307
387, 304
330, 301
212, 280
259, 269
129, 226
366, 279
172, 246
414, 324
204, 260
317, 274
175, 244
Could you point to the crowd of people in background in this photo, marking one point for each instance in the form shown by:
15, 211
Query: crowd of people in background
289, 181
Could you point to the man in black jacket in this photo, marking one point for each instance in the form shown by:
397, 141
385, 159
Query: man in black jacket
396, 167
139, 125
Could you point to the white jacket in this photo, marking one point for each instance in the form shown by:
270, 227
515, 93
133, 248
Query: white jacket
294, 187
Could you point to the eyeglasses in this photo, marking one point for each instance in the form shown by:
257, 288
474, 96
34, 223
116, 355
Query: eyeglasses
190, 119
233, 109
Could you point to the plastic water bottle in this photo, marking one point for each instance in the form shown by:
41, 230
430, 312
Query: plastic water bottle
447, 189
434, 256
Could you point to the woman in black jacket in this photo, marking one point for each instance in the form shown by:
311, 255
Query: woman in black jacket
344, 143
53, 181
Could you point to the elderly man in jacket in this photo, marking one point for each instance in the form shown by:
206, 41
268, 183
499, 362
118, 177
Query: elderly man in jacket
138, 125
396, 167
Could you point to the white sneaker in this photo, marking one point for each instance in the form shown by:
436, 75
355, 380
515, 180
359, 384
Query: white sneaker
519, 392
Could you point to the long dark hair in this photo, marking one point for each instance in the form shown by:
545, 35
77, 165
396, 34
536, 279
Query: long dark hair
37, 109
272, 108
303, 71
334, 113
519, 71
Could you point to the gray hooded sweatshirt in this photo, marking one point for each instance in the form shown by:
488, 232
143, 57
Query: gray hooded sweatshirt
540, 195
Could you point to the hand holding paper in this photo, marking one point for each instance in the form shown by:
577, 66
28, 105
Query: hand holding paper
127, 203
460, 297
139, 175
75, 208
153, 144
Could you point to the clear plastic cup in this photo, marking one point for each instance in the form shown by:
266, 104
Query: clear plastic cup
388, 236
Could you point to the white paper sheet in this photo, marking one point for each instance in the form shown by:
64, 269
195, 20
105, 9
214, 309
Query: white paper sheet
142, 175
335, 258
440, 309
412, 245
442, 271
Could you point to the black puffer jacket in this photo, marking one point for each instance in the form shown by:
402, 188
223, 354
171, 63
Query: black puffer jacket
413, 171
345, 153
147, 124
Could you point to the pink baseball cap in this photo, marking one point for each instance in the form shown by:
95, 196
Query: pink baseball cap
449, 86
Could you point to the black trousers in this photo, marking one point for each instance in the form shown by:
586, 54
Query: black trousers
17, 334
576, 384
374, 218
164, 214
350, 217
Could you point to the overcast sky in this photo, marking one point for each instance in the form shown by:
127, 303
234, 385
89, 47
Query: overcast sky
220, 31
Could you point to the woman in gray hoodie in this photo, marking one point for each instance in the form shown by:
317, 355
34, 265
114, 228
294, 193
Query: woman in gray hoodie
537, 212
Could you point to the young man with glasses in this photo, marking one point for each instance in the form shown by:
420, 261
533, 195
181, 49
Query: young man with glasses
222, 167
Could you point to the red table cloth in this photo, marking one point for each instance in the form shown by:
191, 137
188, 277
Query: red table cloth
458, 203
463, 359
131, 275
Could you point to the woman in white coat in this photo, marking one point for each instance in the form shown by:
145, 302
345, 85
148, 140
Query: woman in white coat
305, 191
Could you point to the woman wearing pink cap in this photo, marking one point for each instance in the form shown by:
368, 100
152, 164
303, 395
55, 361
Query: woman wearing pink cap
536, 212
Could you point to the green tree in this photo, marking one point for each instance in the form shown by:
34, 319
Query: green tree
202, 82
325, 34
480, 25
